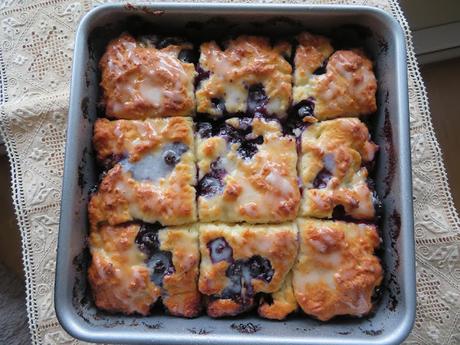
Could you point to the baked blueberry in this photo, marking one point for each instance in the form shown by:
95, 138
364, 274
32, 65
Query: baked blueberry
254, 177
252, 259
249, 75
342, 83
219, 250
173, 152
332, 155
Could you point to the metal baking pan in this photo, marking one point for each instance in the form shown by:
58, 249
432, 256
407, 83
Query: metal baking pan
383, 39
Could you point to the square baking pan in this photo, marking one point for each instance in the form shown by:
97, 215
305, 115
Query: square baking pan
382, 38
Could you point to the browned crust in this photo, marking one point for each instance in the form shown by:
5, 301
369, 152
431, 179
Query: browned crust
283, 302
141, 81
277, 243
119, 279
247, 60
120, 198
347, 88
345, 143
353, 277
261, 190
133, 139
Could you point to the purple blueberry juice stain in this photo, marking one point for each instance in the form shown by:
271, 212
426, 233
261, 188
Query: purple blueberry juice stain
159, 261
201, 75
205, 129
240, 274
257, 101
220, 250
322, 179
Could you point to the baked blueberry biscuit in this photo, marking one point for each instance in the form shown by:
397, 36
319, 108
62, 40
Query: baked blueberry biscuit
250, 76
281, 303
331, 169
133, 265
247, 172
330, 84
239, 261
141, 80
119, 140
155, 177
336, 271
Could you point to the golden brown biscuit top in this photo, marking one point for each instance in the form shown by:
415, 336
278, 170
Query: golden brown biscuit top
346, 88
133, 264
118, 275
127, 193
245, 62
336, 271
141, 81
275, 243
133, 139
331, 168
256, 165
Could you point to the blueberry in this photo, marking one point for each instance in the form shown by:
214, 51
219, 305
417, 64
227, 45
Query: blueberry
173, 152
204, 129
212, 183
322, 179
168, 41
161, 264
257, 100
188, 55
260, 268
147, 238
240, 274
220, 250
217, 169
209, 186
321, 69
306, 107
219, 104
201, 75
338, 212
248, 148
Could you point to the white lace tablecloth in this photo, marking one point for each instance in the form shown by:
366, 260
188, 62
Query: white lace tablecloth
37, 40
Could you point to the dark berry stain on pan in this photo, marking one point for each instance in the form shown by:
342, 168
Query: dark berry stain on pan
81, 169
84, 105
344, 333
155, 325
371, 332
395, 229
391, 153
144, 9
199, 331
246, 328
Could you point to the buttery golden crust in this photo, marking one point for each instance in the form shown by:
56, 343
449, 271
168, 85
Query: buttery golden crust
260, 189
348, 86
283, 302
121, 198
332, 153
119, 278
141, 81
119, 273
180, 289
246, 61
336, 271
275, 243
133, 139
